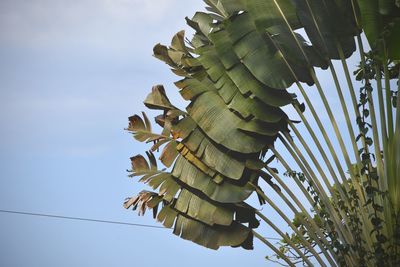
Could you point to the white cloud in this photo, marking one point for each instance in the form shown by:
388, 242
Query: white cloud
98, 24
82, 65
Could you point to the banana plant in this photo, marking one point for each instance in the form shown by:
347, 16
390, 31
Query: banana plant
251, 73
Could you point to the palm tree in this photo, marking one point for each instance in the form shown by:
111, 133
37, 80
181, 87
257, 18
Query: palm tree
246, 73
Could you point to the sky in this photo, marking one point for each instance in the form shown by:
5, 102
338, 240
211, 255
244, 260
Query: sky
71, 73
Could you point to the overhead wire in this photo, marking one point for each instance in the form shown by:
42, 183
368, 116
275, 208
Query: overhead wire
80, 219
90, 220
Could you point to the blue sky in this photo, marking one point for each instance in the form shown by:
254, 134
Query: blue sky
71, 72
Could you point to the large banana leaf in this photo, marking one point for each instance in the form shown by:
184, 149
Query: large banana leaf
186, 202
210, 236
325, 30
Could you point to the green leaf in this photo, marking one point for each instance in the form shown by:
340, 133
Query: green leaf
219, 160
191, 88
212, 236
325, 30
225, 58
202, 210
195, 178
178, 42
231, 6
222, 126
139, 164
136, 124
189, 228
204, 22
298, 53
183, 128
143, 201
393, 39
158, 144
169, 154
381, 21
158, 99
386, 6
258, 53
370, 19
161, 52
141, 129
266, 13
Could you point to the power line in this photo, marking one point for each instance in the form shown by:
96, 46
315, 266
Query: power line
91, 220
80, 219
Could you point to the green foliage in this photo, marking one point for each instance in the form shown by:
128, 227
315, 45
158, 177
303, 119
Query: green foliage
235, 73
